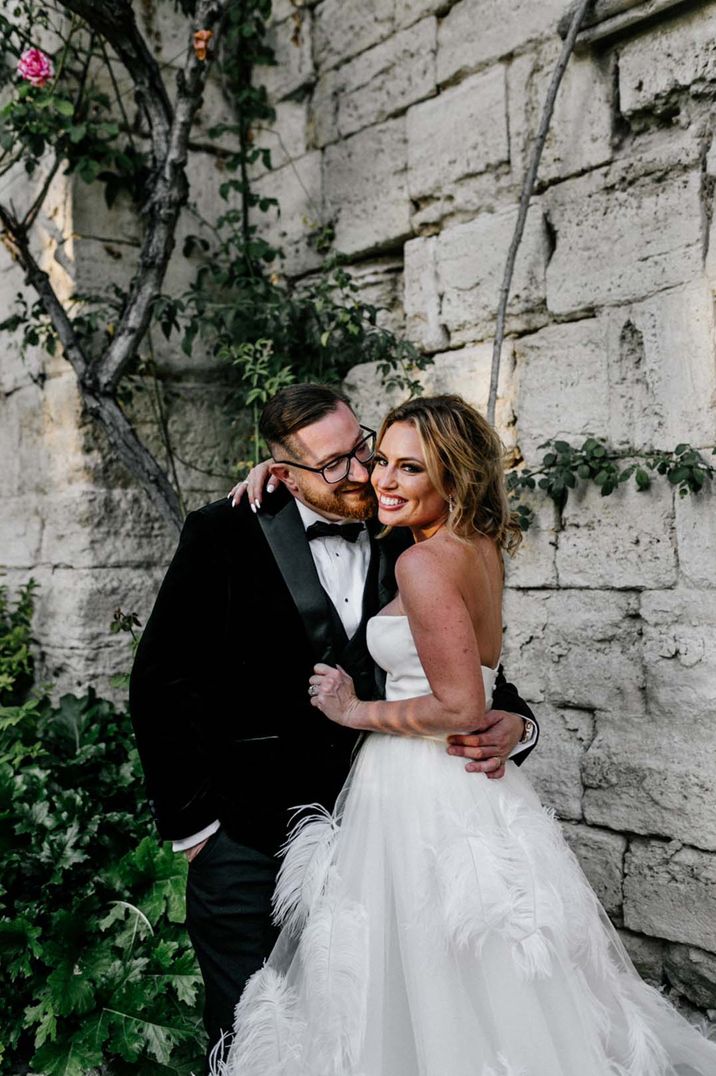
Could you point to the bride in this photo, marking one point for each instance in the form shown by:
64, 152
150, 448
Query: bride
437, 924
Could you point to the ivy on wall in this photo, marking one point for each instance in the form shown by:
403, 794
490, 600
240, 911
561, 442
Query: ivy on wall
565, 467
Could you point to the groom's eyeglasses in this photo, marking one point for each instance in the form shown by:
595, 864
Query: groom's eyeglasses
337, 469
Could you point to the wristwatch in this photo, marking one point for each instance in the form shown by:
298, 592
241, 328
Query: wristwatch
529, 730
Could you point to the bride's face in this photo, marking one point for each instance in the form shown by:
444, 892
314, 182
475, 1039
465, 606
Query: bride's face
406, 495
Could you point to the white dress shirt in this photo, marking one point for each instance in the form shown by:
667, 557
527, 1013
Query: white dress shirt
342, 569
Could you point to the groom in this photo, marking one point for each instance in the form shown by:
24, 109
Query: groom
219, 690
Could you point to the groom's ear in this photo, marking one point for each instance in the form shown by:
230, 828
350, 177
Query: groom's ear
280, 472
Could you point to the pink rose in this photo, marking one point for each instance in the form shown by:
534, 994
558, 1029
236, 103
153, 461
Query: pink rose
35, 67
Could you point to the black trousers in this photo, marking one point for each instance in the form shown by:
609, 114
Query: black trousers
228, 916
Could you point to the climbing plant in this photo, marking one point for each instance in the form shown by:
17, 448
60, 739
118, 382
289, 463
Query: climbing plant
564, 467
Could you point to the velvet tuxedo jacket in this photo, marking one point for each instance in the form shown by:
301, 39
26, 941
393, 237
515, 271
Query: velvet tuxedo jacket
219, 688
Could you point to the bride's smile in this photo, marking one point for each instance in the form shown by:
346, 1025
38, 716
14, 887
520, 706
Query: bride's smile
405, 492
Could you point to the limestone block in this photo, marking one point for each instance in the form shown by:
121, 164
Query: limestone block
346, 27
461, 132
580, 134
380, 283
475, 31
74, 612
65, 451
693, 973
290, 40
615, 245
467, 371
422, 297
166, 30
216, 107
670, 892
297, 188
674, 55
555, 768
470, 259
323, 110
365, 188
624, 540
696, 538
21, 432
369, 397
287, 137
601, 857
680, 650
409, 11
575, 648
89, 526
653, 775
203, 428
533, 565
97, 247
387, 78
662, 370
647, 955
563, 386
20, 532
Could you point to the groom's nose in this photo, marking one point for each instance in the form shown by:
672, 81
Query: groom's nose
358, 472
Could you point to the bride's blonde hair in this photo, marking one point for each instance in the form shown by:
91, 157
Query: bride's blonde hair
464, 458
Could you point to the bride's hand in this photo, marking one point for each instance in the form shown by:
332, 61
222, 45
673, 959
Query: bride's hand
332, 692
253, 485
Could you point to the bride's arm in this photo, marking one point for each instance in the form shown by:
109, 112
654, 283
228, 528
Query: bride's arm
445, 641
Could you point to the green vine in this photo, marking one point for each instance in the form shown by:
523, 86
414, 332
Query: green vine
564, 467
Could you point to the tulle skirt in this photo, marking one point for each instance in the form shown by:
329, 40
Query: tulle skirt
439, 925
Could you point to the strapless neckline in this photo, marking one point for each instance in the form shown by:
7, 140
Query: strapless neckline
402, 616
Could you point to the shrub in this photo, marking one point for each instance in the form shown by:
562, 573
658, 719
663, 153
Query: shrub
97, 969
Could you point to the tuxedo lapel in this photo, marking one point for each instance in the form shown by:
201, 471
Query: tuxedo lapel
286, 537
384, 553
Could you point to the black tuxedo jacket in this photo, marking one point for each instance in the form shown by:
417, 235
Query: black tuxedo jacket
219, 687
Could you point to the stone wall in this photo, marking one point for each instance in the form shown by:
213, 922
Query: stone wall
406, 124
409, 123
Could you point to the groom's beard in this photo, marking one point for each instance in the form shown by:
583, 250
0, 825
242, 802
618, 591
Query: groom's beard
350, 500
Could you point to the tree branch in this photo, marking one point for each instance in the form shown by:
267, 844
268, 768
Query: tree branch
114, 21
578, 15
130, 450
169, 194
19, 247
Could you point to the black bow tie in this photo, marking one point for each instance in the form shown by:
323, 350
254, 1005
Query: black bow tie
349, 531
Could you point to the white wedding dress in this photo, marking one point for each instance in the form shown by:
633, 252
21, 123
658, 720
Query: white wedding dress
439, 925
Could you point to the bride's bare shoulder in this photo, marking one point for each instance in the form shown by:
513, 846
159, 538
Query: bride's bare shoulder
445, 557
435, 559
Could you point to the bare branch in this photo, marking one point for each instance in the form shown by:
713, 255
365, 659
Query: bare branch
578, 16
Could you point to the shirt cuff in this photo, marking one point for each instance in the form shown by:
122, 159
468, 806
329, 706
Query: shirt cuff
188, 842
520, 747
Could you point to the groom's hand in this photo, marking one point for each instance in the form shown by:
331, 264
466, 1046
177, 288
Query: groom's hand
489, 749
193, 852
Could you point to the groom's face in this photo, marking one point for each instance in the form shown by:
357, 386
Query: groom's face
336, 434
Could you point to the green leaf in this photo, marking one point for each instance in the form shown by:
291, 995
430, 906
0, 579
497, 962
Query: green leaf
73, 1057
63, 106
77, 132
642, 479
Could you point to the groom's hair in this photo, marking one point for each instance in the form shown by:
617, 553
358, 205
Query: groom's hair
294, 407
